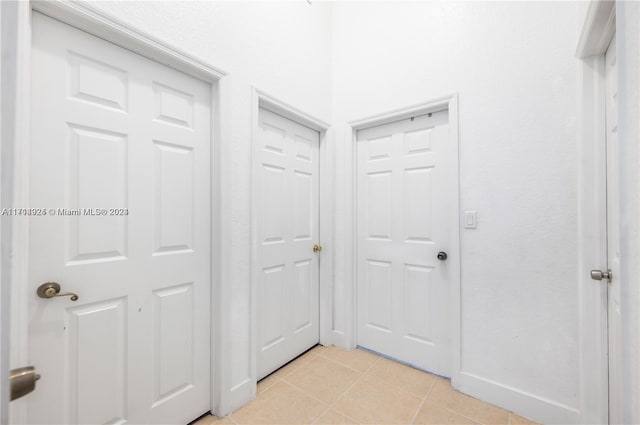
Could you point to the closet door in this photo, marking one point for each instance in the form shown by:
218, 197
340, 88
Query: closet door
286, 189
119, 159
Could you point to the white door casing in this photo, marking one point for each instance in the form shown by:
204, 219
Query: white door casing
286, 188
598, 28
613, 236
404, 215
111, 129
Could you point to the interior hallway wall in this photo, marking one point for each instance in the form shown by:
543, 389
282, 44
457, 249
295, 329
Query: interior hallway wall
628, 52
514, 69
281, 48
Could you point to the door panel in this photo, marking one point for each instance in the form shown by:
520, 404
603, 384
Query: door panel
113, 130
404, 219
287, 227
613, 237
97, 335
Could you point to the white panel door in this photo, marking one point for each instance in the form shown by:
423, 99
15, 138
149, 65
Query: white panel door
404, 219
613, 237
287, 227
112, 130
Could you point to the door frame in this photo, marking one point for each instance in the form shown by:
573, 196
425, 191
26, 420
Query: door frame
597, 31
86, 17
349, 338
261, 99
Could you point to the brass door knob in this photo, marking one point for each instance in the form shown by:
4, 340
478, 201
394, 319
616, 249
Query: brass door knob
317, 248
22, 381
52, 289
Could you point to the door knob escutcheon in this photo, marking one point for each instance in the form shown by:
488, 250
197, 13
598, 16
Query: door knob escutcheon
52, 289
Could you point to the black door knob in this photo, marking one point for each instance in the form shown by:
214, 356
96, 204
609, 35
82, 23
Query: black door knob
442, 256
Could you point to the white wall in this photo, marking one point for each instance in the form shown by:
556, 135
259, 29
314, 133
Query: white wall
282, 48
514, 68
628, 52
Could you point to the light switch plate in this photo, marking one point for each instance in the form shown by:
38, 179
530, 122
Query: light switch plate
470, 219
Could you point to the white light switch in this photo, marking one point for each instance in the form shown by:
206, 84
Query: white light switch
470, 219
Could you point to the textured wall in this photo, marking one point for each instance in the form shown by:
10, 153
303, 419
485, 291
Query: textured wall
514, 68
628, 50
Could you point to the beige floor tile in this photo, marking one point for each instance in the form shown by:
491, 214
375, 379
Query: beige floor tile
267, 382
389, 393
294, 364
323, 379
519, 420
442, 393
371, 400
333, 417
280, 404
434, 414
357, 359
413, 380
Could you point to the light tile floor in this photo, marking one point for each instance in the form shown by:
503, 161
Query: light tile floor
327, 385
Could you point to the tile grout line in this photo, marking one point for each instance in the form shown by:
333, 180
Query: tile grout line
349, 367
363, 373
475, 420
348, 387
398, 387
306, 393
277, 380
329, 405
459, 413
424, 400
368, 373
381, 358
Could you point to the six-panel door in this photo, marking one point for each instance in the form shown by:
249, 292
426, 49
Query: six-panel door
287, 228
404, 219
120, 160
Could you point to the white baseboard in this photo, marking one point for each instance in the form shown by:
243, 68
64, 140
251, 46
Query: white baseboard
528, 405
